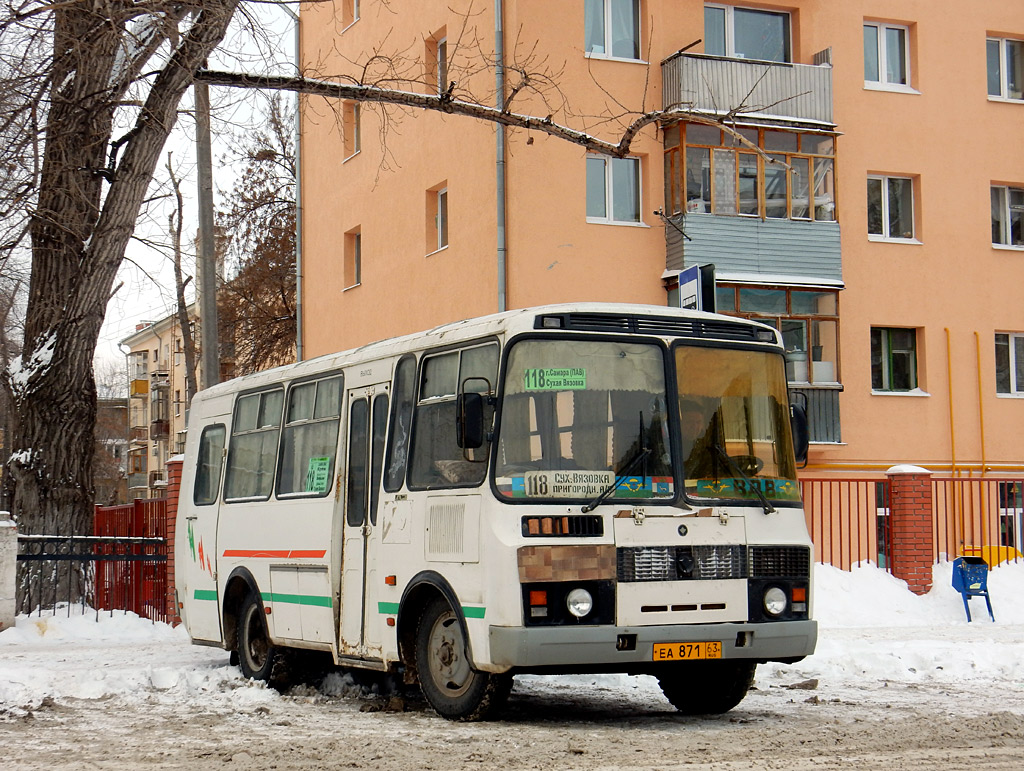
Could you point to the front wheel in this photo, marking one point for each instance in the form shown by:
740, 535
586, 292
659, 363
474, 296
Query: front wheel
257, 657
707, 687
449, 683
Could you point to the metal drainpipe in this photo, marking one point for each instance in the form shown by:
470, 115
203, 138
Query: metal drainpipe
499, 74
298, 195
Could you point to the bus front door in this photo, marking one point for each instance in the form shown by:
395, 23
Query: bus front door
359, 622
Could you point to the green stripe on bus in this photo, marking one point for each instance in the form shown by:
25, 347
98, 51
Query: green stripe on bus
297, 599
205, 594
391, 609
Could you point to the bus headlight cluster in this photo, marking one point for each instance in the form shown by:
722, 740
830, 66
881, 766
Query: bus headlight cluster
579, 602
775, 601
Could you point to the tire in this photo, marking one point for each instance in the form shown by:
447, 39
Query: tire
447, 679
707, 687
257, 657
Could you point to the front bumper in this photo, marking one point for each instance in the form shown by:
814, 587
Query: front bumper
580, 648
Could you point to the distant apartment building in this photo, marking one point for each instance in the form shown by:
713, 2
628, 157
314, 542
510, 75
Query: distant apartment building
157, 397
879, 228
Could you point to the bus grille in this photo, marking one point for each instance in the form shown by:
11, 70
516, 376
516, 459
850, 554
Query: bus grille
680, 563
780, 562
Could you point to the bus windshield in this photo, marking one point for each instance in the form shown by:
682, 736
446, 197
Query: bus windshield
579, 416
734, 424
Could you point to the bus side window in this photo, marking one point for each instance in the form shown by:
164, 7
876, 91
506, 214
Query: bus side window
401, 422
208, 465
252, 454
310, 438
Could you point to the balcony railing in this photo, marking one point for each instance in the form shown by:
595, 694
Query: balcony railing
159, 430
716, 84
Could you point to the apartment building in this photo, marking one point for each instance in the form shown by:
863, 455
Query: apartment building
157, 402
882, 234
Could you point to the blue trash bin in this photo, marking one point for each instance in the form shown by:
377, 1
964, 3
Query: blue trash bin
970, 578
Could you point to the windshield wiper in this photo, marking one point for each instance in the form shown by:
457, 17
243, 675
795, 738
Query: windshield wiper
768, 508
641, 454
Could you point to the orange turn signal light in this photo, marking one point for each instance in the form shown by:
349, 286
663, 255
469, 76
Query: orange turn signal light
390, 580
799, 594
538, 597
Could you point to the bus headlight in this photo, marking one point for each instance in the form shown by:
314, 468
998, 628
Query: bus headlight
775, 601
579, 602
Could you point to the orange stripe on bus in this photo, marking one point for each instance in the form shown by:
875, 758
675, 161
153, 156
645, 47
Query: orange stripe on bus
295, 554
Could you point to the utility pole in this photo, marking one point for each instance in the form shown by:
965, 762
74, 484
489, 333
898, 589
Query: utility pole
207, 288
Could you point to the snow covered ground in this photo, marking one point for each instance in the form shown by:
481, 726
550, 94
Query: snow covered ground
880, 648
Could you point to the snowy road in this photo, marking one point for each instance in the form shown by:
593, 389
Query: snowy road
902, 682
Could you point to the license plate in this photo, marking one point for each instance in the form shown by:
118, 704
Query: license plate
687, 651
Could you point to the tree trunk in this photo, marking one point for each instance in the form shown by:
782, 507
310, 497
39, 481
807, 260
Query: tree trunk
78, 242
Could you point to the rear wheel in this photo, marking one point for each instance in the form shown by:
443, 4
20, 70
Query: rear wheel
257, 657
449, 683
707, 687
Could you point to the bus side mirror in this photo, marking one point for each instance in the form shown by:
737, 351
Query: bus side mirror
469, 420
801, 433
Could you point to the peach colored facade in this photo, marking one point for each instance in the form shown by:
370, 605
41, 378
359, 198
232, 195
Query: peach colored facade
934, 272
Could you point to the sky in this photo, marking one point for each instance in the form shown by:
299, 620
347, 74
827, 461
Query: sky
871, 629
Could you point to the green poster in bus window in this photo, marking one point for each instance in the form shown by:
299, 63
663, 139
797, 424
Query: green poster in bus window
555, 379
318, 475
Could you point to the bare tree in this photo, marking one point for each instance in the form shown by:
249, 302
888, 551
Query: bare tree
257, 306
98, 76
174, 225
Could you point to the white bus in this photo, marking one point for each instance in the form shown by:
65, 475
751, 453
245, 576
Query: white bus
565, 489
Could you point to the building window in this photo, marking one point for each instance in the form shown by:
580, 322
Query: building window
437, 218
436, 60
613, 189
1010, 363
721, 175
353, 258
746, 33
612, 28
1005, 68
893, 359
352, 127
886, 55
891, 207
808, 319
1007, 216
349, 12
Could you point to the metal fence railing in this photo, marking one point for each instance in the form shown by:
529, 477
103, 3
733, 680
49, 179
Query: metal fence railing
105, 573
848, 520
979, 517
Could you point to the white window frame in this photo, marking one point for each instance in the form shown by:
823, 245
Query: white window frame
882, 54
607, 13
886, 235
353, 124
442, 65
730, 28
1004, 88
441, 217
1016, 388
609, 197
1005, 207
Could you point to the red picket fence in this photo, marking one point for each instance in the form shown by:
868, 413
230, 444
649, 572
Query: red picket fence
132, 574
